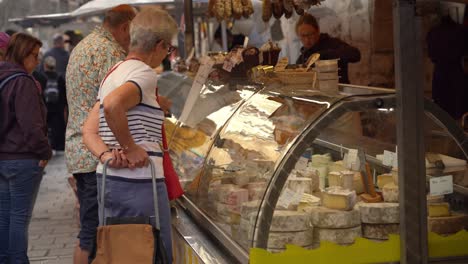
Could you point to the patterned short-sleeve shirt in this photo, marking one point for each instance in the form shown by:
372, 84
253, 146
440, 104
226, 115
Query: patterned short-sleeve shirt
89, 63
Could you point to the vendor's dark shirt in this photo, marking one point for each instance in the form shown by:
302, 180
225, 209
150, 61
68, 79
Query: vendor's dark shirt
333, 48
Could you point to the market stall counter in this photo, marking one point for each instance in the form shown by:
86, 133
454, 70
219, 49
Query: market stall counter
269, 165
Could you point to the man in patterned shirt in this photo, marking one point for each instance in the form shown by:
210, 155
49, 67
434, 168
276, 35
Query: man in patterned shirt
89, 63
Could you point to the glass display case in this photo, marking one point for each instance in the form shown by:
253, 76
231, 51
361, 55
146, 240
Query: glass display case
266, 166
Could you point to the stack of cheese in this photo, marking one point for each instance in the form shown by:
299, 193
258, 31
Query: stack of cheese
320, 165
287, 227
256, 189
379, 219
337, 221
249, 211
343, 179
327, 75
229, 201
311, 174
443, 222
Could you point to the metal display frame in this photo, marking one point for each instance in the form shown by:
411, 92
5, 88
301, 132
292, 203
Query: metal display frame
381, 98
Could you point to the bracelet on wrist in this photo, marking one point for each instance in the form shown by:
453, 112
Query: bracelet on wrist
104, 152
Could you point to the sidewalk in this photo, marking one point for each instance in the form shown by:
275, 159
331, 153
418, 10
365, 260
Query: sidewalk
52, 233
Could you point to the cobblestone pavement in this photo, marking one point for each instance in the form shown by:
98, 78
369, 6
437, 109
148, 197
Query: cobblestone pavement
53, 229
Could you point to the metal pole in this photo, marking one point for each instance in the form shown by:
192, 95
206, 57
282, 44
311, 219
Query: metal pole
189, 30
410, 125
224, 35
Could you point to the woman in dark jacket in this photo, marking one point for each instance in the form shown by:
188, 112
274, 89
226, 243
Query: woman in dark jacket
313, 41
24, 149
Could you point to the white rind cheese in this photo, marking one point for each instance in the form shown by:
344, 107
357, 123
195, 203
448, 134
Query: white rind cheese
379, 213
390, 193
343, 236
379, 231
287, 221
330, 218
300, 184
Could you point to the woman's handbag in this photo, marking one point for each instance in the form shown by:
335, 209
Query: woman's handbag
174, 189
125, 240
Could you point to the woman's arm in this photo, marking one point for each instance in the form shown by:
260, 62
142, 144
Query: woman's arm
94, 143
116, 104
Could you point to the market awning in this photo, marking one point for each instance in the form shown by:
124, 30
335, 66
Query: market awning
44, 20
99, 6
91, 8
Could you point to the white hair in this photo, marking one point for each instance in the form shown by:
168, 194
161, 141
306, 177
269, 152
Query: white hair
149, 27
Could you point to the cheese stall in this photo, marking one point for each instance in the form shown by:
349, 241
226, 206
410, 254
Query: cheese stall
268, 161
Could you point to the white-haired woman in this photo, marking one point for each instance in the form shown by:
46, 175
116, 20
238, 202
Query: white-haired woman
126, 123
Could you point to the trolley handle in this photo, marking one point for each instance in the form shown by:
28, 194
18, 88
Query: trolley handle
155, 193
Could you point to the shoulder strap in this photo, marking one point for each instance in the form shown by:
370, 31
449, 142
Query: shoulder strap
7, 79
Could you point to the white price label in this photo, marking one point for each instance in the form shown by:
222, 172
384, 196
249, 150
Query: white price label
388, 158
352, 157
246, 41
441, 185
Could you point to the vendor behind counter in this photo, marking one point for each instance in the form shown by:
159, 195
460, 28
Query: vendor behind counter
329, 47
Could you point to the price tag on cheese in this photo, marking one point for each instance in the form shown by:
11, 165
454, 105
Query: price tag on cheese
441, 185
289, 197
281, 65
352, 157
388, 157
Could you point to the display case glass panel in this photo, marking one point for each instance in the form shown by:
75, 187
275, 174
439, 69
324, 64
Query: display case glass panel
189, 142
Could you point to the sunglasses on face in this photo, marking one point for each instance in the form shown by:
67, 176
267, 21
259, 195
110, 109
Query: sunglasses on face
169, 47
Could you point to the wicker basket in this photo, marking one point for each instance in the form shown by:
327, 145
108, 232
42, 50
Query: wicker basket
294, 77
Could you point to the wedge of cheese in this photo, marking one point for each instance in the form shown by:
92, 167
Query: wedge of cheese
339, 199
384, 179
438, 209
447, 224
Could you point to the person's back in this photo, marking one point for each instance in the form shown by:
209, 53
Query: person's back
54, 95
446, 48
24, 148
89, 62
59, 53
